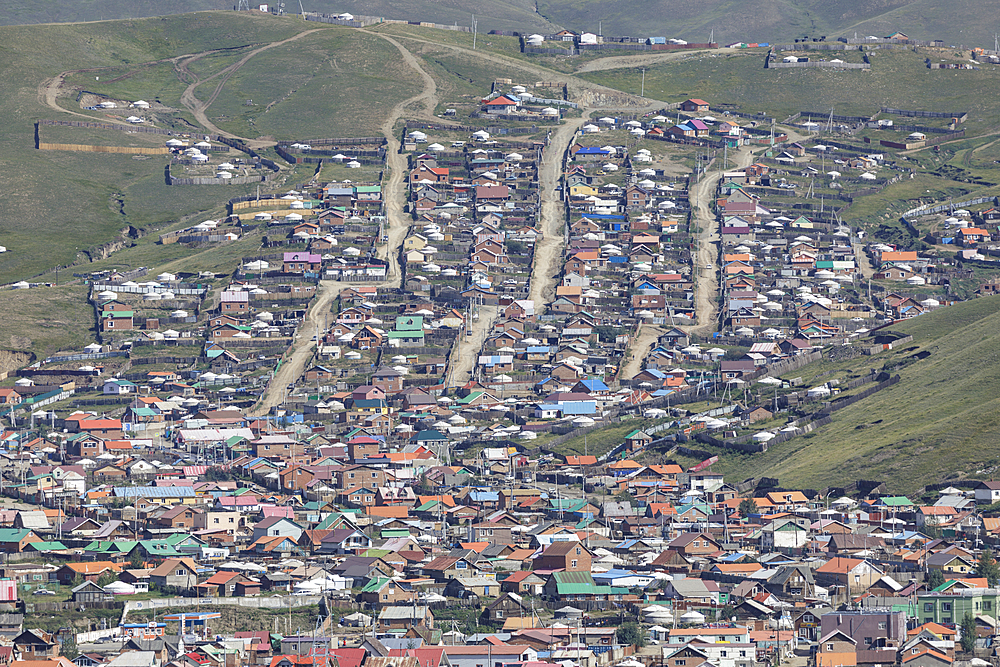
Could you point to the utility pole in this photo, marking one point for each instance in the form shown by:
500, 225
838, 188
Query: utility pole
642, 92
474, 32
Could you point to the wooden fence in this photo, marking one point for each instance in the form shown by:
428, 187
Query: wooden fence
87, 148
211, 180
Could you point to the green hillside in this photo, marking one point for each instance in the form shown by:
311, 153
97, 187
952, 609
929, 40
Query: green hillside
59, 204
898, 78
503, 14
960, 22
941, 422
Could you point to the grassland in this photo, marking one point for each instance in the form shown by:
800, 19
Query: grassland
898, 79
335, 82
61, 206
602, 440
941, 422
58, 204
964, 21
49, 319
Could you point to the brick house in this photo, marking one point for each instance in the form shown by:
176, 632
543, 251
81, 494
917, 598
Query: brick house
568, 556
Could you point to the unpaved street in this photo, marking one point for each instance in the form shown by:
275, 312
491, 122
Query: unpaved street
465, 353
705, 268
644, 340
548, 251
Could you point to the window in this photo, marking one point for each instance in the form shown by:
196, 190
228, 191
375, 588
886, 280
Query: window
868, 641
987, 605
572, 563
499, 613
829, 647
928, 606
881, 626
945, 606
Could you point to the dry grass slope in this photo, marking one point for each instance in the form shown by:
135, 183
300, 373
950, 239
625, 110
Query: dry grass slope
942, 421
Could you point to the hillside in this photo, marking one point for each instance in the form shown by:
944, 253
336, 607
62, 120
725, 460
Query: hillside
942, 421
960, 22
505, 14
333, 80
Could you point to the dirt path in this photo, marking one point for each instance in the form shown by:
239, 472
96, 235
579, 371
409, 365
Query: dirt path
621, 62
394, 187
645, 338
548, 251
589, 95
198, 108
394, 196
48, 90
704, 267
465, 353
302, 347
862, 259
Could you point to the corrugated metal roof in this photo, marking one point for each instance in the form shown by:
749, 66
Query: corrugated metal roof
154, 491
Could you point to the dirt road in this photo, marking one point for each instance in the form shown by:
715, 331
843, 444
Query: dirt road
621, 62
861, 257
644, 339
466, 350
302, 347
548, 251
198, 108
704, 267
48, 90
394, 195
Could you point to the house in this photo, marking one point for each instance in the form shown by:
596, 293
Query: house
987, 493
301, 263
36, 645
88, 592
523, 581
507, 605
852, 574
836, 649
15, 540
694, 544
115, 317
404, 617
179, 573
694, 105
568, 556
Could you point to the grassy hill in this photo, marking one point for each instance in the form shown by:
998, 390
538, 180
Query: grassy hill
503, 14
962, 22
60, 204
899, 79
941, 422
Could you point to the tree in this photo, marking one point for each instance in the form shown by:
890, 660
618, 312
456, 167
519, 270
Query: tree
106, 579
746, 507
987, 567
935, 578
630, 633
968, 633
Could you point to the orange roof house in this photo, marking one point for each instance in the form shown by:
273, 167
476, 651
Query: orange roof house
899, 256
